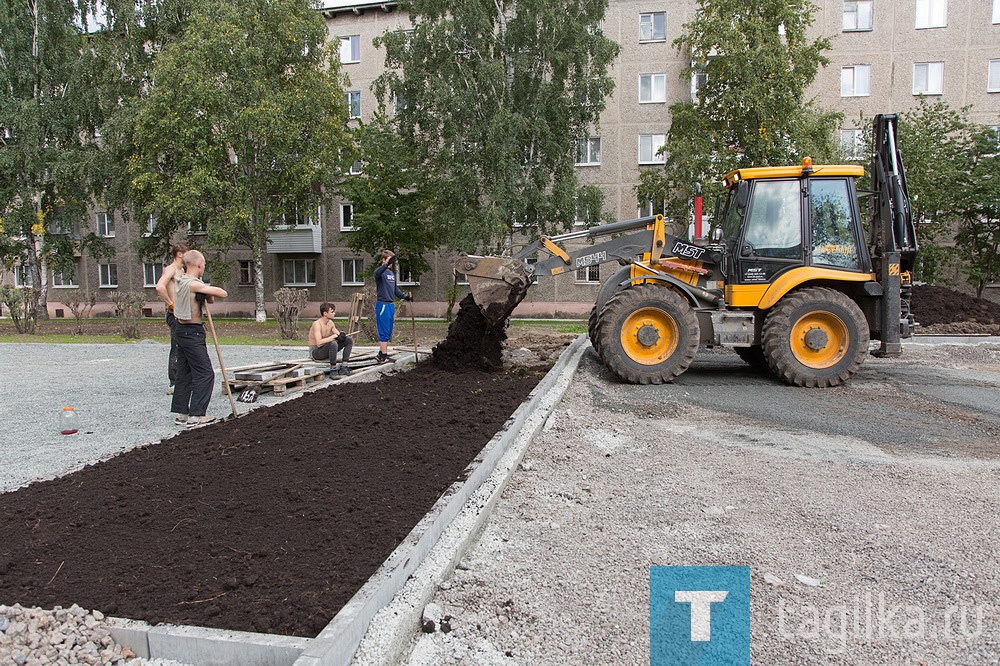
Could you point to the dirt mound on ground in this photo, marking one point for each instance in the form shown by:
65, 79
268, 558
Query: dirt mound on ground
472, 343
943, 310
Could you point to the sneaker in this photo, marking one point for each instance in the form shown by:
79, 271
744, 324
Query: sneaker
181, 420
200, 421
381, 358
170, 390
344, 371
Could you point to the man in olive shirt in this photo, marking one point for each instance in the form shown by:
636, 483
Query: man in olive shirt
195, 376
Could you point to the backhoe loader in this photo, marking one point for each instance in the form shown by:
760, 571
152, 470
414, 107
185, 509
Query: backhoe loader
788, 277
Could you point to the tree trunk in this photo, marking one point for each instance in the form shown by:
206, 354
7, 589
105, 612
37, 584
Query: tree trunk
260, 313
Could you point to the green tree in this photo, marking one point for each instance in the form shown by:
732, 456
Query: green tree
490, 97
978, 236
48, 143
755, 61
243, 128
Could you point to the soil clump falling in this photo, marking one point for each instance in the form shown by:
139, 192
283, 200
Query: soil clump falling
473, 343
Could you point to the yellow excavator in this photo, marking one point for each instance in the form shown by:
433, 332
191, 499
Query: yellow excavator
788, 277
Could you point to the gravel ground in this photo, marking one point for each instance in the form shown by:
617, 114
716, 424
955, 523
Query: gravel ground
903, 538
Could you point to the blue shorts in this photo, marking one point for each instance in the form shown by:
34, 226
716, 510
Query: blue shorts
385, 315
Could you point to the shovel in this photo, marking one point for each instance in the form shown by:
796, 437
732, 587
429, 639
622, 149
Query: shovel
222, 366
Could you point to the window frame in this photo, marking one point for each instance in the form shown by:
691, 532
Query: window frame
358, 269
653, 38
854, 69
105, 225
925, 17
59, 280
929, 68
585, 144
653, 76
246, 267
587, 279
656, 157
349, 97
308, 266
105, 273
151, 266
353, 49
343, 208
857, 144
993, 75
857, 14
405, 277
22, 278
996, 12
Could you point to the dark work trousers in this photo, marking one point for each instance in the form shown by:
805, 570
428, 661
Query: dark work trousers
172, 358
331, 349
195, 375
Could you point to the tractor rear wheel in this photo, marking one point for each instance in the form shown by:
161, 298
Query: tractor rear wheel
592, 329
816, 337
647, 334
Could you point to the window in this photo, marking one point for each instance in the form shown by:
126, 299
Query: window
932, 14
649, 146
197, 229
698, 79
22, 276
105, 225
582, 218
852, 143
830, 223
300, 272
407, 276
350, 272
774, 225
588, 275
652, 88
150, 225
651, 207
461, 279
301, 217
248, 273
347, 217
64, 280
855, 81
588, 151
857, 15
109, 275
151, 274
353, 101
993, 78
928, 78
996, 12
356, 168
653, 27
350, 49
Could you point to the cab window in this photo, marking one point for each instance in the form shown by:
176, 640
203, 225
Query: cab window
774, 226
831, 228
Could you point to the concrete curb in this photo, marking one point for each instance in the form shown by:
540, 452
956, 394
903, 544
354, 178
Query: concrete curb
337, 643
952, 340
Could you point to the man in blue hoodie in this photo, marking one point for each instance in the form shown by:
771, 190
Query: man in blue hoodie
386, 293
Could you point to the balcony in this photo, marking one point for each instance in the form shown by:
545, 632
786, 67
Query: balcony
305, 239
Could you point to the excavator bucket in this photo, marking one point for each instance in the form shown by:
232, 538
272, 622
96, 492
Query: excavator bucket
498, 284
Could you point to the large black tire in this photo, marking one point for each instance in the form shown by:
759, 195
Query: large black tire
752, 356
592, 329
647, 334
815, 337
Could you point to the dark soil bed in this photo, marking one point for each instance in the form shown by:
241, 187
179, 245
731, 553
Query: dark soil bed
268, 523
946, 311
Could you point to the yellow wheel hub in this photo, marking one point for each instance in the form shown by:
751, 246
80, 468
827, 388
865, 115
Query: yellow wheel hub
819, 339
649, 336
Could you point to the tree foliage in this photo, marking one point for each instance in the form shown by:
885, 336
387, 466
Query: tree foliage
489, 97
757, 61
48, 143
242, 129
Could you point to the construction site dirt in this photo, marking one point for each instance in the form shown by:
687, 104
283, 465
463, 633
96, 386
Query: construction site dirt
266, 523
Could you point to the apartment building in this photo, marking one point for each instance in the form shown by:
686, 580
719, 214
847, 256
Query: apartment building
886, 54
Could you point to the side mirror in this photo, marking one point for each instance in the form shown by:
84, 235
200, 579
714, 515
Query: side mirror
742, 194
717, 235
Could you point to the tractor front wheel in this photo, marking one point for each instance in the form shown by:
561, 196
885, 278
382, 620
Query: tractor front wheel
816, 337
647, 334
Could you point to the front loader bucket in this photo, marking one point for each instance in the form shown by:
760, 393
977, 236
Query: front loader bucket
498, 284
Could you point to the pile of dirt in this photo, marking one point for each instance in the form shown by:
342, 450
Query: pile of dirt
942, 310
472, 342
267, 523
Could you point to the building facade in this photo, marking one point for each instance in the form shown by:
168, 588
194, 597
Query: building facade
886, 55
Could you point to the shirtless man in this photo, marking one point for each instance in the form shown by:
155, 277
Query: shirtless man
325, 341
165, 288
195, 375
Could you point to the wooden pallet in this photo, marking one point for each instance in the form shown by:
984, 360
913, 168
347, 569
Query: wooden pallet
354, 318
292, 384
